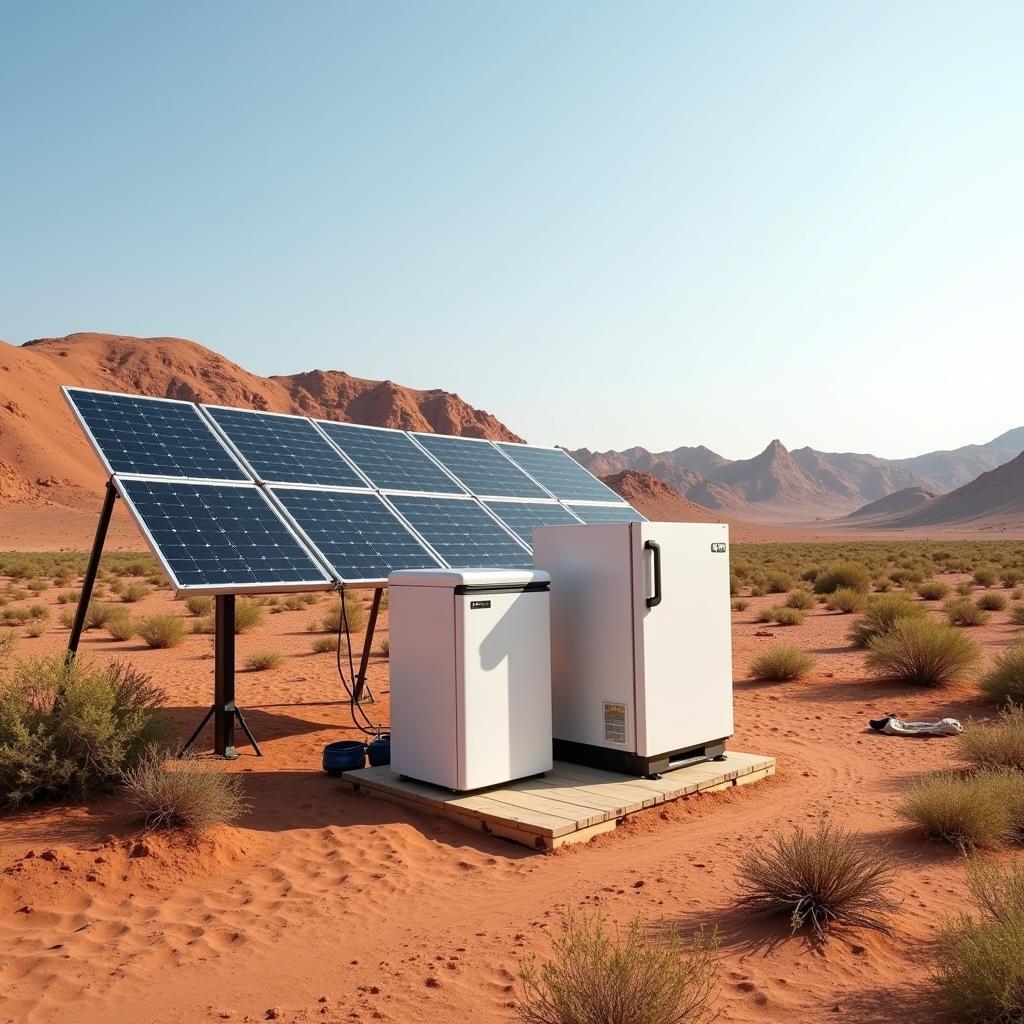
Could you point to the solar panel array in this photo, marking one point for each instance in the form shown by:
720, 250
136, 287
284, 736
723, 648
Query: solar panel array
236, 500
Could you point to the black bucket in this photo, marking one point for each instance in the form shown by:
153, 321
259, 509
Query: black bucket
379, 750
344, 756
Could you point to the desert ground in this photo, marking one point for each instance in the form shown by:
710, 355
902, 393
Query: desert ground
325, 905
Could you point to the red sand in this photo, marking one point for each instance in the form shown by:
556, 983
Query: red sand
327, 906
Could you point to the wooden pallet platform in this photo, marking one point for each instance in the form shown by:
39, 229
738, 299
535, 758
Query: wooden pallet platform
570, 804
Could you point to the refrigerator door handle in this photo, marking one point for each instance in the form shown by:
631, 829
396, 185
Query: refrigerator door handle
655, 599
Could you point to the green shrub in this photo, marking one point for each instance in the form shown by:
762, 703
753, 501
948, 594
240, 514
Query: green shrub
933, 590
184, 792
842, 574
123, 627
801, 599
966, 613
1011, 577
199, 605
985, 575
818, 880
846, 601
992, 602
777, 582
980, 964
780, 664
982, 811
1005, 680
248, 615
98, 614
922, 652
69, 729
133, 592
599, 978
880, 615
260, 661
162, 631
995, 746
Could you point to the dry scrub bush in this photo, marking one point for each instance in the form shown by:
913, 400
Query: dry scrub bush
995, 746
965, 589
325, 644
355, 614
8, 638
260, 661
601, 978
781, 664
1005, 680
982, 811
778, 582
965, 612
921, 652
1017, 615
69, 597
880, 615
781, 615
985, 575
98, 614
1011, 577
842, 574
133, 592
35, 629
933, 590
846, 601
184, 792
199, 605
818, 880
802, 599
162, 631
69, 729
123, 627
203, 625
980, 963
992, 602
740, 605
248, 615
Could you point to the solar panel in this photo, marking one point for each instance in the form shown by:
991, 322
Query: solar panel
389, 458
218, 537
559, 472
480, 466
152, 436
608, 513
284, 449
357, 533
523, 516
461, 532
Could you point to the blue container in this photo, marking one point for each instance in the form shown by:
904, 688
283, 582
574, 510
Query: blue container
344, 756
379, 750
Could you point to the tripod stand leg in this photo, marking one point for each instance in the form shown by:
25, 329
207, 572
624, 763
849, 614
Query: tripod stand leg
245, 729
198, 730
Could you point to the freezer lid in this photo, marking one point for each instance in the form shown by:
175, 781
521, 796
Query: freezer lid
467, 578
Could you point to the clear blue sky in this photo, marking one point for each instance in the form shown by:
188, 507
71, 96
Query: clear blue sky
608, 223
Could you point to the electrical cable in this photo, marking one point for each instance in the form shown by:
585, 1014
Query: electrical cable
366, 726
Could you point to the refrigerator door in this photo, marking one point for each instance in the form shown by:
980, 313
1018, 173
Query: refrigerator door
684, 646
504, 686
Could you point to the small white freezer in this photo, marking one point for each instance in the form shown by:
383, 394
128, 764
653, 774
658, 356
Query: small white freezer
470, 675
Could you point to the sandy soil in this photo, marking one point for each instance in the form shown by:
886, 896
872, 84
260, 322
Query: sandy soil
327, 906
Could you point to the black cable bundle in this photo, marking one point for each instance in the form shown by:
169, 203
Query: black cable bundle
366, 727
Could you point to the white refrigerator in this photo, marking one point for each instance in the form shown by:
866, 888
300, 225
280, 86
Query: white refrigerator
470, 675
641, 647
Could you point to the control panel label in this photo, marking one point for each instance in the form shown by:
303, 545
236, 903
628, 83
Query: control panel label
614, 722
479, 604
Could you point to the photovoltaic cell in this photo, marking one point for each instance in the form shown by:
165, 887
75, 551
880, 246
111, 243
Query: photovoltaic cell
154, 436
559, 472
218, 536
523, 516
389, 458
357, 533
480, 466
608, 513
284, 449
462, 533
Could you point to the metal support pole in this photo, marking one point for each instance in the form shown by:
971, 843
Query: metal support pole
89, 580
364, 661
224, 677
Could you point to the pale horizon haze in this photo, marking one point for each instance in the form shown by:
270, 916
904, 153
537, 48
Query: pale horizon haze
609, 224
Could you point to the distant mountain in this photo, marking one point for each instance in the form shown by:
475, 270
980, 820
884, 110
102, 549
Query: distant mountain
656, 500
994, 500
910, 499
804, 484
45, 457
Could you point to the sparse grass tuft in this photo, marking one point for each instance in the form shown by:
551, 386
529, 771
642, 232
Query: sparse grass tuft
817, 879
197, 605
260, 661
162, 631
98, 614
740, 605
880, 615
846, 601
993, 747
184, 792
992, 602
842, 574
324, 644
248, 615
133, 592
781, 615
933, 590
921, 652
802, 599
123, 627
595, 977
1017, 615
966, 613
781, 664
1005, 680
985, 575
982, 811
